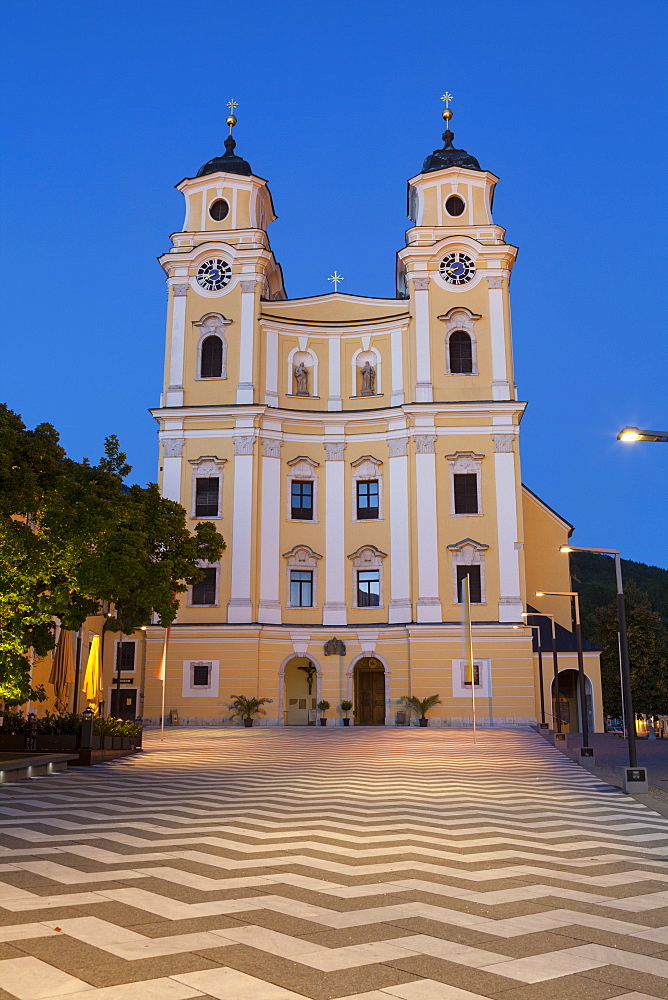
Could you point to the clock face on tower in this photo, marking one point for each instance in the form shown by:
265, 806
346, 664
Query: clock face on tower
214, 274
457, 268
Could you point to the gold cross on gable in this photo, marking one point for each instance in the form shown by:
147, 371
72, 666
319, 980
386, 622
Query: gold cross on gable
447, 97
336, 278
232, 105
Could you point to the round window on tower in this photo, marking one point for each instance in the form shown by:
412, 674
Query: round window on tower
454, 205
218, 209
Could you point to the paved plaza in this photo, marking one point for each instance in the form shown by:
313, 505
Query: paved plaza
269, 864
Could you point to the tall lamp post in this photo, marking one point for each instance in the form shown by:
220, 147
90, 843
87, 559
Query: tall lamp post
555, 662
631, 434
581, 671
629, 715
541, 683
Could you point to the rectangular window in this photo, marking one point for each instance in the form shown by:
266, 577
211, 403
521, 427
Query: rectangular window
367, 500
301, 588
206, 497
475, 585
368, 588
204, 592
476, 675
125, 656
466, 493
201, 675
301, 500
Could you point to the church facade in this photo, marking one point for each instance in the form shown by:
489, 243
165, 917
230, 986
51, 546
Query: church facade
361, 458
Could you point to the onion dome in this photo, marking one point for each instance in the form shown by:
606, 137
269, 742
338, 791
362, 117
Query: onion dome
441, 159
229, 162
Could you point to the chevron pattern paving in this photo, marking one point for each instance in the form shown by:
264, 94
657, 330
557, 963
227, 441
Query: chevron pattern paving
269, 864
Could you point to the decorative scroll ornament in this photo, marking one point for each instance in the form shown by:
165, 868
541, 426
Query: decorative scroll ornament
173, 447
335, 647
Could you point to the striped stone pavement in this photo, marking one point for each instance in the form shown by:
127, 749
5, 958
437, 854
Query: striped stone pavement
268, 864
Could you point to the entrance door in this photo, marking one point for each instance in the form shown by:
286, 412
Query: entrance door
124, 704
300, 692
370, 698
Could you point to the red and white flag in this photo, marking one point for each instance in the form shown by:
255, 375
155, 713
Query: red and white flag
162, 669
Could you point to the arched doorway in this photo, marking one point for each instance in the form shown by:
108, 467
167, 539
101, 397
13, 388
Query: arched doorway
569, 699
300, 695
369, 692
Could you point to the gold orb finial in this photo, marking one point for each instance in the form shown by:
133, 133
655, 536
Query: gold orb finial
231, 119
447, 114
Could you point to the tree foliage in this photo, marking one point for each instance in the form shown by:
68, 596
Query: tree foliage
72, 536
593, 576
648, 646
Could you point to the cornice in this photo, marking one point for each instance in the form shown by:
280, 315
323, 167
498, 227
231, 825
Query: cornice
335, 327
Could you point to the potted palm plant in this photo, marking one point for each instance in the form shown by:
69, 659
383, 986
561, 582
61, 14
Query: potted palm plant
245, 708
421, 706
323, 706
345, 707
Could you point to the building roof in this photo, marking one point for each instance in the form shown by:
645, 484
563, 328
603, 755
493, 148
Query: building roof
448, 156
566, 642
228, 163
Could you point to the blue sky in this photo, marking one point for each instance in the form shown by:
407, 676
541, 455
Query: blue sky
107, 106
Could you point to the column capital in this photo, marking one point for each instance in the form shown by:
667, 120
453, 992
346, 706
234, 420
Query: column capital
271, 447
494, 281
173, 447
425, 444
398, 447
243, 445
334, 450
420, 284
180, 289
503, 443
248, 285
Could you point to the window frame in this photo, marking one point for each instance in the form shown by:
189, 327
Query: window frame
460, 319
206, 467
117, 648
301, 558
301, 584
368, 558
209, 480
468, 552
191, 590
369, 593
190, 690
465, 495
211, 325
302, 468
295, 482
465, 463
364, 468
360, 484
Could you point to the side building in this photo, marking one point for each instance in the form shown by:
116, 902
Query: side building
361, 458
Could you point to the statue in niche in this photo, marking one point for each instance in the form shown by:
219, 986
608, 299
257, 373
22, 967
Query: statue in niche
301, 379
368, 380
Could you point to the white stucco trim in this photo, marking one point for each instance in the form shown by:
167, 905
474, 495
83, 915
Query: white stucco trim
462, 690
303, 559
368, 557
465, 463
206, 467
211, 325
364, 469
468, 552
302, 468
456, 319
189, 690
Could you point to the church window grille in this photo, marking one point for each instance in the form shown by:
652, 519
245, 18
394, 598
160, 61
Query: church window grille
466, 493
368, 588
301, 500
461, 353
301, 588
454, 205
475, 583
211, 364
204, 591
125, 655
207, 494
201, 674
367, 499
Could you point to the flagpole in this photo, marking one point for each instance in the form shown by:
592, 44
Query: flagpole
163, 671
470, 668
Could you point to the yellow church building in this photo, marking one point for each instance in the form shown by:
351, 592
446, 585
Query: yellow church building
361, 458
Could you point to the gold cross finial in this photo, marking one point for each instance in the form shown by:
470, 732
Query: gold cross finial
447, 114
231, 119
336, 278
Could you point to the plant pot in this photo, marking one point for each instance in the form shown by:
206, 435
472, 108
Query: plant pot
248, 723
346, 722
65, 741
423, 723
323, 722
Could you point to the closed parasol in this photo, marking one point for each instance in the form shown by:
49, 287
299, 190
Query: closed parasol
92, 682
62, 670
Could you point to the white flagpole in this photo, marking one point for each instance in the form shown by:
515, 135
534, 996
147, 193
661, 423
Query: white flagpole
161, 675
470, 667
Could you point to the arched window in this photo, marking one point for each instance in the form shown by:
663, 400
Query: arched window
461, 353
212, 358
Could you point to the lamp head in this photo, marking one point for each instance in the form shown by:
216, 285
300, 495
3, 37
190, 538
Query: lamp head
629, 434
539, 593
566, 548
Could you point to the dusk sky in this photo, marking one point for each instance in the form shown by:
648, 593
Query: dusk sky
107, 106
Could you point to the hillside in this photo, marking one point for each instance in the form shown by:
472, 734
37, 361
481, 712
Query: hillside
593, 577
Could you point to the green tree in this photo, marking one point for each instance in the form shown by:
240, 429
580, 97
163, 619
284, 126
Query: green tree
647, 641
72, 535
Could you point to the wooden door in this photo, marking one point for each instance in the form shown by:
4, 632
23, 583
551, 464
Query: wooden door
371, 698
124, 704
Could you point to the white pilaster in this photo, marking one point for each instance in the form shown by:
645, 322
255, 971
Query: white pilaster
334, 610
396, 347
269, 610
240, 607
174, 394
334, 402
245, 388
423, 387
171, 468
500, 382
400, 608
428, 603
271, 384
510, 601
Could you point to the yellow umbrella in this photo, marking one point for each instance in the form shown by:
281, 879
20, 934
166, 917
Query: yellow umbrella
62, 670
92, 682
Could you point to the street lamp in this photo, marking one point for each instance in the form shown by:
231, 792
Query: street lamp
555, 661
536, 629
581, 671
624, 648
632, 434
